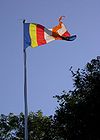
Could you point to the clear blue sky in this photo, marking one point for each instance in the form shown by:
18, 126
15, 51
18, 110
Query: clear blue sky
48, 66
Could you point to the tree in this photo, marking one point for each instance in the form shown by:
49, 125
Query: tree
12, 127
78, 115
39, 126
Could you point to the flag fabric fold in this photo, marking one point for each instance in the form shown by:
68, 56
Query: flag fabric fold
37, 35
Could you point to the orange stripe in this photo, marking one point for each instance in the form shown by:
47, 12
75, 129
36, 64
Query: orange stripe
54, 31
56, 28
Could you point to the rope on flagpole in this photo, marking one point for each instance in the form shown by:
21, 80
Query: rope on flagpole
25, 89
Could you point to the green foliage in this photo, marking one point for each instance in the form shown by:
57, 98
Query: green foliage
78, 114
12, 127
39, 126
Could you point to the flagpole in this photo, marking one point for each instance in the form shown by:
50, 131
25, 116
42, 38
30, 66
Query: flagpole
25, 90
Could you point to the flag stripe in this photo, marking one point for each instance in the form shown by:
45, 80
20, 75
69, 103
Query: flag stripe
27, 40
66, 34
63, 31
40, 35
48, 35
33, 35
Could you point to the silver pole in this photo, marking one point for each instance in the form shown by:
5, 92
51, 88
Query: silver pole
25, 91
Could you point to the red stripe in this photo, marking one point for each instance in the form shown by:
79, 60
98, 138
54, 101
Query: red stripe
40, 35
66, 34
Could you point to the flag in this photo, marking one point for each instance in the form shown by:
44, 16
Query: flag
37, 35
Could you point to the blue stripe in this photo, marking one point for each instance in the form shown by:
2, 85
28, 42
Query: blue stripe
27, 40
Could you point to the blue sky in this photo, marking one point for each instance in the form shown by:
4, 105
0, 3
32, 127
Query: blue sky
48, 65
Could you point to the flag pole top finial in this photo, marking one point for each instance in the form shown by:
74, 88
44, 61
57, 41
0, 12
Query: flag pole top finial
24, 21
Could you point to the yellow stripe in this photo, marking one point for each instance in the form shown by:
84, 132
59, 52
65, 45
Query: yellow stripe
33, 35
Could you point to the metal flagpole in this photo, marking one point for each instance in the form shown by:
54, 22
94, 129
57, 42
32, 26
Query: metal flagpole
25, 90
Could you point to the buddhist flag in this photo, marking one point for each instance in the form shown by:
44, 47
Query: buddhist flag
37, 35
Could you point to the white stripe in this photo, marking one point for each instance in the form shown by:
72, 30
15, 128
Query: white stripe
62, 30
48, 35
